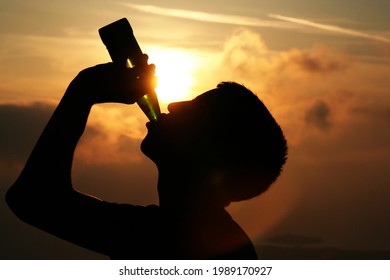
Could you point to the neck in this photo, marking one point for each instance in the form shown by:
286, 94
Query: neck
183, 190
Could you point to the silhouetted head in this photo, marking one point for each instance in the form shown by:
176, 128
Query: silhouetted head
226, 136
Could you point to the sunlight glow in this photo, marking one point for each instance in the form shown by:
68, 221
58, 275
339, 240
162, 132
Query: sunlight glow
174, 70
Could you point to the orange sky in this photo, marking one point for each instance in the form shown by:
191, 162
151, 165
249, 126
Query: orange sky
323, 70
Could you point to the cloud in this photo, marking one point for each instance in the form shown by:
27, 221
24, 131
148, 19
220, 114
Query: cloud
20, 126
318, 115
113, 135
278, 77
319, 59
332, 28
207, 17
244, 58
289, 22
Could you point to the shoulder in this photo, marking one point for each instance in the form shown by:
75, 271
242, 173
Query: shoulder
241, 246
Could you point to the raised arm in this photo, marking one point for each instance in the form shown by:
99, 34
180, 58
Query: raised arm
43, 195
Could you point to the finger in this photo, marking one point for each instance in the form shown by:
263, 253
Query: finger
145, 58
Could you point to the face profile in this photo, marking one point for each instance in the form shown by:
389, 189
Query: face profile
180, 131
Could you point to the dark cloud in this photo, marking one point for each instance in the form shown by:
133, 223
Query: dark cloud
20, 127
127, 144
319, 115
319, 60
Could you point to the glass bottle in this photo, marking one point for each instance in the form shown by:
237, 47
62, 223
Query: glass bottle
118, 37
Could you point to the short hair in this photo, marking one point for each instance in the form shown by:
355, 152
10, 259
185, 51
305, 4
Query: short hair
249, 147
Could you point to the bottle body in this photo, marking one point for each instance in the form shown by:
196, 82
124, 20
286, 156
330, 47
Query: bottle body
124, 49
149, 105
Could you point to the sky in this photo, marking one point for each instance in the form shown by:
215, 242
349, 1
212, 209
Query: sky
321, 67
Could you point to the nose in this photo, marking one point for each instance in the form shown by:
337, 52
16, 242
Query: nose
178, 106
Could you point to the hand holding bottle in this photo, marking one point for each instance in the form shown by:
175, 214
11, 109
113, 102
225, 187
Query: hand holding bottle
111, 82
124, 50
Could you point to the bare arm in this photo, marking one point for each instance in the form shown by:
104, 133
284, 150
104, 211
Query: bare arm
43, 194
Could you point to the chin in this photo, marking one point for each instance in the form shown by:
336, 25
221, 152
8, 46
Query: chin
149, 148
146, 146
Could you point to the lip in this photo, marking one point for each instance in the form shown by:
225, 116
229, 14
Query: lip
151, 124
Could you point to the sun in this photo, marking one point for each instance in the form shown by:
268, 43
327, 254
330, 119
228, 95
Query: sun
174, 70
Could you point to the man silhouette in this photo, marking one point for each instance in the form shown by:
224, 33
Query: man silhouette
220, 147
